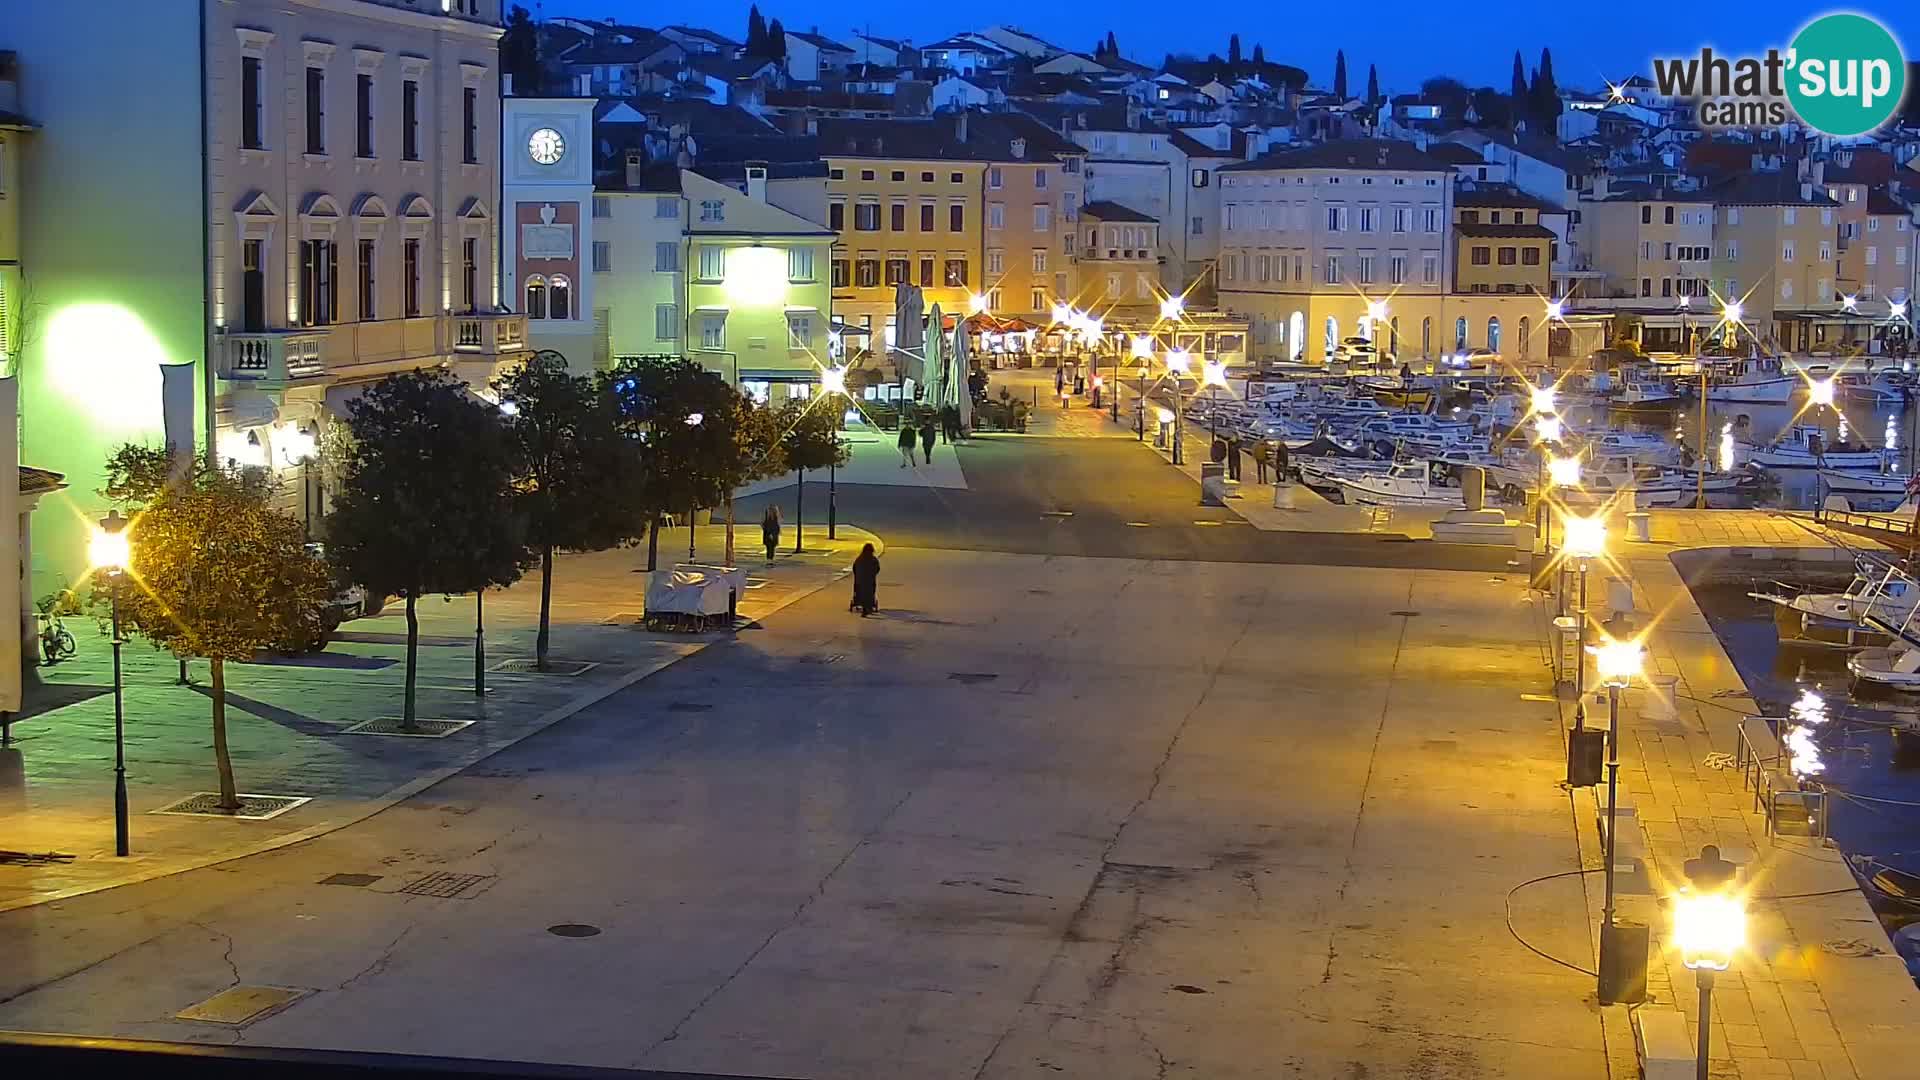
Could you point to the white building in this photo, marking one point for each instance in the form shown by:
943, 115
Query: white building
810, 56
546, 184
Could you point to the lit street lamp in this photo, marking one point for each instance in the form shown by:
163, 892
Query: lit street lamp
1177, 363
833, 383
1617, 663
1214, 374
693, 512
1583, 539
1709, 925
111, 550
1172, 307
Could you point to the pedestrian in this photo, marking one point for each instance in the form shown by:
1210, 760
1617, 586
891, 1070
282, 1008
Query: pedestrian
905, 441
1282, 465
1260, 453
770, 530
926, 437
866, 582
949, 423
1233, 457
1060, 379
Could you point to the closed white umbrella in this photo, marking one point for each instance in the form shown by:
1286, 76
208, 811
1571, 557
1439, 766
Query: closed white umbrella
907, 335
935, 366
960, 392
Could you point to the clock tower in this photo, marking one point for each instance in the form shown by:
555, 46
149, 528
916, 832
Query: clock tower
546, 179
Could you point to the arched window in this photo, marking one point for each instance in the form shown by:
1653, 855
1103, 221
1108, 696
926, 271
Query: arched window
536, 297
1426, 336
1493, 332
560, 298
1526, 335
1460, 332
1333, 335
1296, 335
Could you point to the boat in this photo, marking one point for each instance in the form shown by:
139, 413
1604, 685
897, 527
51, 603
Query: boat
1645, 392
1404, 397
1409, 483
1886, 886
1842, 482
1805, 446
1838, 620
1895, 666
1756, 380
1886, 386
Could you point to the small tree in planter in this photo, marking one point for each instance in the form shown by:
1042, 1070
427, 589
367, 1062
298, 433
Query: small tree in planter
811, 441
215, 570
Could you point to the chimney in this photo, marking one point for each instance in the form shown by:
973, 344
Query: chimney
1601, 186
636, 166
1819, 174
1806, 191
960, 126
757, 181
1017, 148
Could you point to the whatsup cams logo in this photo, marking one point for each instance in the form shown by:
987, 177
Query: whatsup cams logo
1844, 74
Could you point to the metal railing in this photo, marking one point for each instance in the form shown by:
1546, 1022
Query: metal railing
1762, 774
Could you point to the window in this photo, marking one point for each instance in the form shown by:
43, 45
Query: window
957, 216
1260, 267
956, 272
1668, 214
1336, 219
713, 330
713, 263
1826, 216
1039, 298
1646, 286
1530, 256
1431, 220
1229, 214
1066, 243
602, 256
866, 174
799, 330
1333, 269
252, 104
926, 177
1429, 269
316, 111
1493, 333
1826, 251
898, 175
896, 270
993, 299
1666, 286
367, 283
1789, 215
897, 217
800, 264
1426, 335
996, 216
926, 217
363, 113
666, 257
666, 208
1493, 217
837, 216
713, 210
1366, 269
1482, 256
1733, 250
996, 261
1198, 226
410, 276
410, 120
842, 277
1646, 215
1366, 218
319, 266
1646, 249
1460, 332
1899, 256
1299, 268
536, 303
1040, 179
1039, 260
1042, 217
1873, 256
836, 174
866, 272
470, 272
1469, 217
470, 114
866, 217
559, 298
1402, 218
1200, 177
1666, 250
1509, 256
993, 178
1786, 251
1397, 269
957, 178
666, 322
602, 206
926, 271
1850, 230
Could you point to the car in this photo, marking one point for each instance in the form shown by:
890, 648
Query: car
1360, 352
1473, 358
312, 628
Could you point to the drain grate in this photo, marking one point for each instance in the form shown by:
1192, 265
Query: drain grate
252, 807
554, 667
1408, 614
824, 658
573, 929
356, 881
972, 677
238, 1006
689, 706
446, 886
393, 725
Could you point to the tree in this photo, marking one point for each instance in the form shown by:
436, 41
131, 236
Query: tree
1520, 92
427, 506
811, 440
1495, 109
520, 51
1259, 54
570, 468
1373, 85
654, 400
1233, 50
1113, 47
1450, 94
1340, 74
1546, 95
220, 573
755, 454
776, 42
756, 44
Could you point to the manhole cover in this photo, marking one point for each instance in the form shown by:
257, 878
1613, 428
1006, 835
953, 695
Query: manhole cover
971, 677
573, 929
689, 706
252, 807
1408, 614
393, 725
554, 667
445, 885
357, 881
1187, 988
240, 1005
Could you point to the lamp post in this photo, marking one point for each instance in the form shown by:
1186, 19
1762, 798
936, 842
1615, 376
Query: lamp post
1142, 349
693, 420
1561, 472
1583, 539
1214, 374
833, 383
111, 551
1617, 663
1177, 364
1710, 925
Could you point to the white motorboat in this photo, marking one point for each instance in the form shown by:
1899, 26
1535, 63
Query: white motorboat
1649, 446
1805, 446
1841, 619
1885, 485
1757, 380
1409, 483
1645, 392
1896, 666
1885, 386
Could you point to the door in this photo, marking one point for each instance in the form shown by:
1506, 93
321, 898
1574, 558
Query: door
253, 287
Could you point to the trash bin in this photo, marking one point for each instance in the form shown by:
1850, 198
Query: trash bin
1213, 483
1640, 524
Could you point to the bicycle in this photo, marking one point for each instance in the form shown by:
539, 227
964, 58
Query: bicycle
56, 642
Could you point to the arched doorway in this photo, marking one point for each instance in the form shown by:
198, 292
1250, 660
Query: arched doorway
1526, 335
1296, 335
1333, 335
1393, 336
1460, 333
1493, 333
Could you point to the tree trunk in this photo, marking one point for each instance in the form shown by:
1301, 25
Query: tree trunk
693, 514
413, 656
653, 544
546, 607
229, 794
799, 507
729, 556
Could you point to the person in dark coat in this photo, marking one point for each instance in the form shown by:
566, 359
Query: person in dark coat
1233, 457
905, 441
866, 582
770, 530
926, 438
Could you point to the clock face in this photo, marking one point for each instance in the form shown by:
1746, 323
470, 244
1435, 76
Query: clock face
546, 146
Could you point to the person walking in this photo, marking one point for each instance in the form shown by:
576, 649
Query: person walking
770, 530
905, 441
1233, 457
866, 582
926, 438
1060, 378
1261, 452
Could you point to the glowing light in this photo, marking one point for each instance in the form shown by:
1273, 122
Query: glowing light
1731, 311
106, 361
510, 407
1546, 400
1892, 436
1172, 307
1213, 373
1686, 302
1586, 537
1178, 361
1820, 392
1166, 416
296, 447
977, 304
1710, 928
110, 548
1556, 309
1093, 327
1563, 471
1549, 428
693, 419
241, 448
1377, 310
1850, 302
1062, 314
1726, 447
833, 380
1617, 662
1142, 346
1896, 309
757, 276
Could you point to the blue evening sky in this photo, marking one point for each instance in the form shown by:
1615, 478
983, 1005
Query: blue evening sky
1409, 39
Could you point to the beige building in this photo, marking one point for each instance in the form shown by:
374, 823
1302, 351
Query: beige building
1119, 262
1651, 243
1775, 240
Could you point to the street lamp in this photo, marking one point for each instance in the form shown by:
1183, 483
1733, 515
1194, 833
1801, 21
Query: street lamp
111, 549
833, 384
1177, 363
1710, 925
1550, 428
693, 420
1213, 373
1583, 539
1563, 471
977, 304
1545, 400
1617, 663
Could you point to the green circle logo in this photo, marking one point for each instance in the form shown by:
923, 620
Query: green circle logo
1845, 74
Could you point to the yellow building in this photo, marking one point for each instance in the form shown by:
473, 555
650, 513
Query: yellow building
1119, 261
1500, 244
1775, 242
1650, 242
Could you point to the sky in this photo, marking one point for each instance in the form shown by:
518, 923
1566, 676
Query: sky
1472, 42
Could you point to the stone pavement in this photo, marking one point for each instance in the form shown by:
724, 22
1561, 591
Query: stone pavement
286, 715
1078, 420
876, 460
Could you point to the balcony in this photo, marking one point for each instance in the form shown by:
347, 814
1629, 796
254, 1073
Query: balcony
489, 333
274, 359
